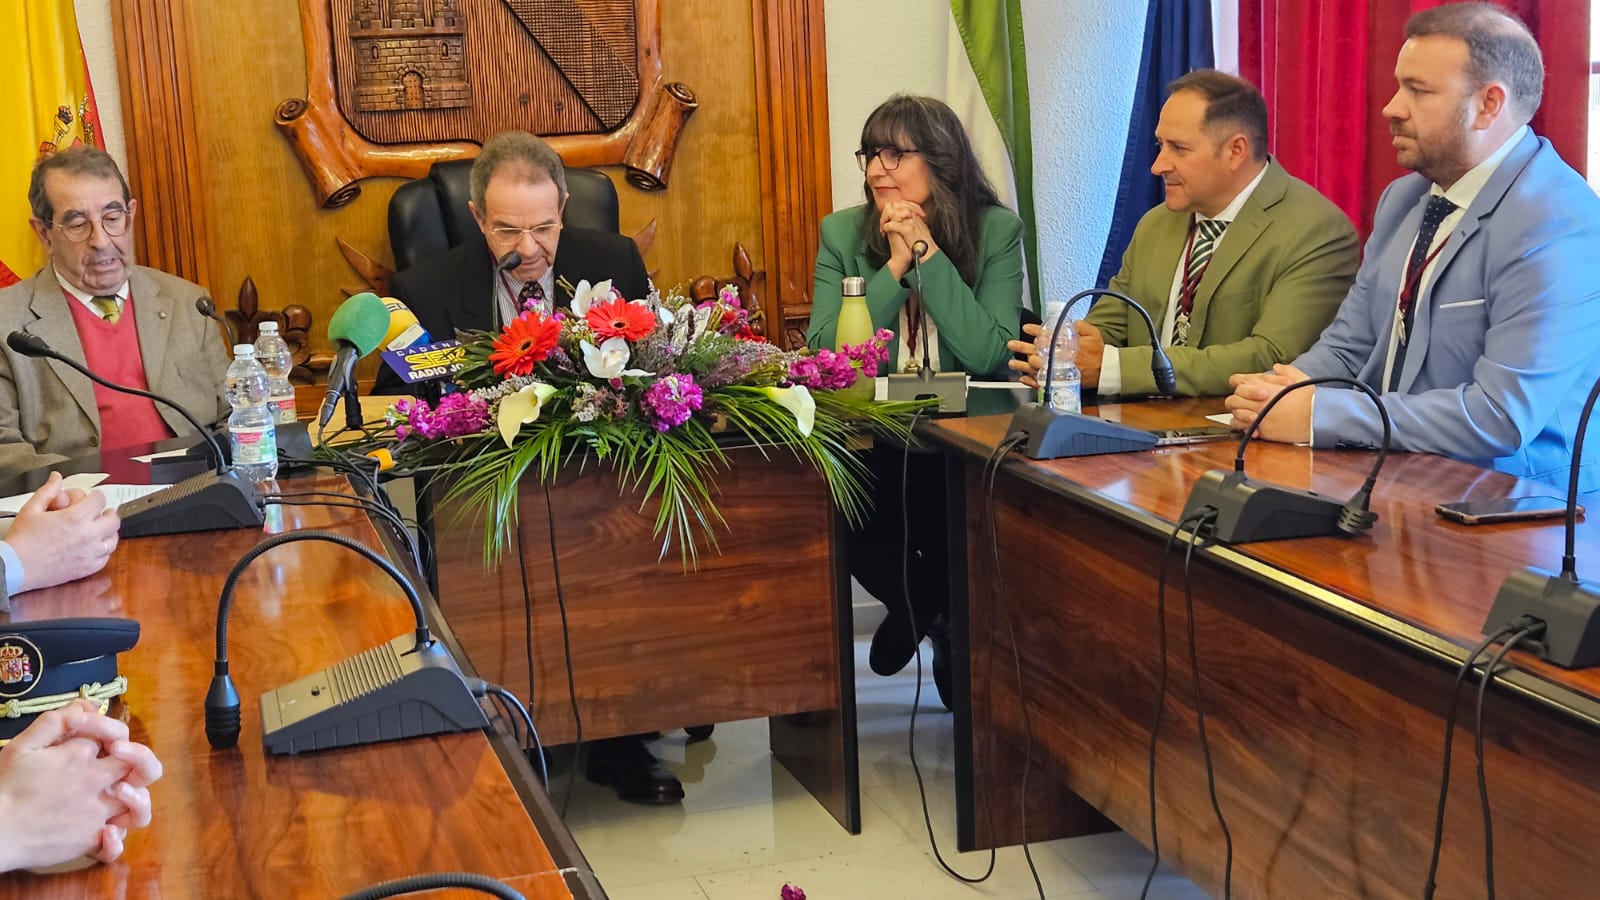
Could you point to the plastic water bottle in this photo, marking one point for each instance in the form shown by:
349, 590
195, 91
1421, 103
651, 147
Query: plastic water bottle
1063, 376
273, 354
251, 432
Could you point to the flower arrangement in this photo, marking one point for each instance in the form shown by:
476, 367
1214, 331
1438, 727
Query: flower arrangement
643, 385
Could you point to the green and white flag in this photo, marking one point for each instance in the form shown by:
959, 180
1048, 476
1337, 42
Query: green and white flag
987, 86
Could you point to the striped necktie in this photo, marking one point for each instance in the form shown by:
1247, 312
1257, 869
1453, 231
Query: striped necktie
1204, 240
107, 307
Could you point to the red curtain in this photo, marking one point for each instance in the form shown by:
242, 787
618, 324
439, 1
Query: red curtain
1326, 68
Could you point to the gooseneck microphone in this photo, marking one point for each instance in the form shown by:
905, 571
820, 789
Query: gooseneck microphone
1052, 435
31, 345
1160, 363
1244, 510
949, 388
407, 687
356, 329
210, 501
507, 261
1568, 606
208, 309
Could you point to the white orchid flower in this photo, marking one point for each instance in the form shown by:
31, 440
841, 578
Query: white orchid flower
583, 296
517, 410
797, 400
609, 360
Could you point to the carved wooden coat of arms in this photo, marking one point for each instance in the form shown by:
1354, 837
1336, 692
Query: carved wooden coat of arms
396, 85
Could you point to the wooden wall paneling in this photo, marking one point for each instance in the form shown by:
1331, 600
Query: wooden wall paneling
153, 57
791, 75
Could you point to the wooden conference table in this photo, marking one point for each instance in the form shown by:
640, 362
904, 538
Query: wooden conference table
238, 823
1326, 667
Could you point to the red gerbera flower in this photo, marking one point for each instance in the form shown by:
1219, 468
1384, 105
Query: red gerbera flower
620, 319
526, 341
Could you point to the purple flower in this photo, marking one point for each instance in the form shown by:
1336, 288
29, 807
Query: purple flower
790, 892
671, 400
458, 415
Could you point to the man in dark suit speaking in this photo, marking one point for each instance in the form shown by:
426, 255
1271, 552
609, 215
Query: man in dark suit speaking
518, 191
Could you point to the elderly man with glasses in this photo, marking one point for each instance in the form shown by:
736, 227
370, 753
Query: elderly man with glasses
132, 325
518, 191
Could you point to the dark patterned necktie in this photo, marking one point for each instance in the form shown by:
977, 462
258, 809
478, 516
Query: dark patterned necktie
530, 291
1438, 209
1203, 238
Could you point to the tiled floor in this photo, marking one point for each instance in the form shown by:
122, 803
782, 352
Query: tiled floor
747, 827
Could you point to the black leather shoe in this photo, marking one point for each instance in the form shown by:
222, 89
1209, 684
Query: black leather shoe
939, 637
625, 764
892, 644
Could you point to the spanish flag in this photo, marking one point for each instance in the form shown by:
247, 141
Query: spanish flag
47, 105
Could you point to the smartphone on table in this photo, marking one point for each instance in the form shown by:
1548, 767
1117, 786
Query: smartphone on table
1167, 437
1504, 509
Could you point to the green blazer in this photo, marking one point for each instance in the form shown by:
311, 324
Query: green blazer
974, 321
1275, 282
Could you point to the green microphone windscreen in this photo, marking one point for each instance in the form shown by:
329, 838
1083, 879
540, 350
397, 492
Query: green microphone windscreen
361, 321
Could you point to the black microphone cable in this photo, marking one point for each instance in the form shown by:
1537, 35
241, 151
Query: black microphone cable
566, 644
436, 881
916, 695
1161, 690
1529, 629
336, 500
509, 702
1199, 704
1449, 742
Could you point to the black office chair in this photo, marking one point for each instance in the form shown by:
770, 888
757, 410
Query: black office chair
429, 215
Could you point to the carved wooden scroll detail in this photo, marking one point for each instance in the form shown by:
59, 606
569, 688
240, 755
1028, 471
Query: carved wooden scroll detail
394, 86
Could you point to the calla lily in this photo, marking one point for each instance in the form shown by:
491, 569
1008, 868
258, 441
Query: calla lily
609, 360
517, 410
583, 296
797, 400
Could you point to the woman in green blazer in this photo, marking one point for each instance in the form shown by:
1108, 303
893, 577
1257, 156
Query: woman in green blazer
923, 185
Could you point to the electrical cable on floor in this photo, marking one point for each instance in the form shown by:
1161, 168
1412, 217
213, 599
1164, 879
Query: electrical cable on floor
1207, 518
1527, 631
1161, 693
1005, 447
1449, 742
916, 697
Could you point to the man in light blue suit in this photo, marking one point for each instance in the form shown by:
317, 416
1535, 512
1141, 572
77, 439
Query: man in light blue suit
1476, 310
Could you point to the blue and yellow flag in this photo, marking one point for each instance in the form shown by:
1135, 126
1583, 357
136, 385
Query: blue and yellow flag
47, 105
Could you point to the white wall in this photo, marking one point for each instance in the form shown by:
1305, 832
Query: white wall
1083, 58
100, 49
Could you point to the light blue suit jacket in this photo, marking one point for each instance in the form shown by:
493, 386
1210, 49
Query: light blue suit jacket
1505, 340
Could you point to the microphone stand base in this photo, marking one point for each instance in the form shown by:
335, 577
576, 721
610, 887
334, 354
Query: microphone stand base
949, 388
206, 502
1249, 511
1569, 608
1053, 435
390, 692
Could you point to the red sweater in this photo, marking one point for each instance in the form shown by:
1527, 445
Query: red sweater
112, 352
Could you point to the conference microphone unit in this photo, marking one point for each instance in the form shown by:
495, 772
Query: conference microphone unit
949, 388
1568, 606
208, 308
1052, 434
356, 329
407, 687
1243, 510
211, 501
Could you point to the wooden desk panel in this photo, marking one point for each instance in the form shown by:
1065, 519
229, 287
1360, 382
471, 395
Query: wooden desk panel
238, 823
761, 628
1326, 667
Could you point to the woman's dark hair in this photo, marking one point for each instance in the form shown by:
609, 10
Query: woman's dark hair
958, 190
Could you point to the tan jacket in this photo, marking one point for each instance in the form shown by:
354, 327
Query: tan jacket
48, 411
1275, 282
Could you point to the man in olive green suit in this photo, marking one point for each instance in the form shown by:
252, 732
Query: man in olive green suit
1242, 266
